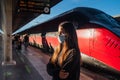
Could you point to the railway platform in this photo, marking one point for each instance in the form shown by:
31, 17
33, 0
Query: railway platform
38, 60
19, 71
31, 65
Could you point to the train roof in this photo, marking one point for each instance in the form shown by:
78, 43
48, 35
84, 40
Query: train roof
80, 14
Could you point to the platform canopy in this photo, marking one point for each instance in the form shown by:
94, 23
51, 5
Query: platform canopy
21, 18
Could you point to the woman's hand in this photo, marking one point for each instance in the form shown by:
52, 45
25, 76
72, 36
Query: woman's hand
63, 74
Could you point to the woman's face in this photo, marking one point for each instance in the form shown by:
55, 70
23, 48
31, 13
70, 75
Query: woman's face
61, 35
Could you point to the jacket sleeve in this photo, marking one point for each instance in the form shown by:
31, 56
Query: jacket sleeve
52, 70
71, 62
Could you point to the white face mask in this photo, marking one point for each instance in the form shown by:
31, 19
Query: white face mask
61, 38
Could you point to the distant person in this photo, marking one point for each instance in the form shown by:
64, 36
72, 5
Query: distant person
45, 44
19, 44
65, 61
26, 41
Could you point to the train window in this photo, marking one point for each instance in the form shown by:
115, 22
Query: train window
79, 23
107, 20
75, 24
51, 34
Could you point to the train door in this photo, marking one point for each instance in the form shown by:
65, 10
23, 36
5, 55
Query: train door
84, 40
91, 41
98, 50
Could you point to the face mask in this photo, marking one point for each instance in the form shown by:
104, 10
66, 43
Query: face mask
61, 38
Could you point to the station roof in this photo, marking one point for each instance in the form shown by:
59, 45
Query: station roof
19, 19
22, 18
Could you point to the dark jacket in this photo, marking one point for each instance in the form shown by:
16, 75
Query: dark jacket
71, 65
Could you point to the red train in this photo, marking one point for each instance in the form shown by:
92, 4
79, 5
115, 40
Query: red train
98, 35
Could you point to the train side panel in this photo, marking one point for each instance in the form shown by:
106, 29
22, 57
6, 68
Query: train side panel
106, 48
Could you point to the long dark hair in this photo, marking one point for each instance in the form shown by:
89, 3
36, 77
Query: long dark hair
71, 37
71, 42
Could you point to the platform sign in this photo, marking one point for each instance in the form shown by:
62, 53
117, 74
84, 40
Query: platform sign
35, 6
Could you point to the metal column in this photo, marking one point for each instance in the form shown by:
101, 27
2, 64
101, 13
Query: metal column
7, 29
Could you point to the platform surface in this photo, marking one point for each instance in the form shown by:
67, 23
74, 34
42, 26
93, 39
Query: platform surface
39, 60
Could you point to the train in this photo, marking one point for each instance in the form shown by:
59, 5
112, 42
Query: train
98, 36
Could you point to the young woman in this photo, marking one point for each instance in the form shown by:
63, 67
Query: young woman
65, 61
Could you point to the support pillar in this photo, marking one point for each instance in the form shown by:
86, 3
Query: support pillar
7, 29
